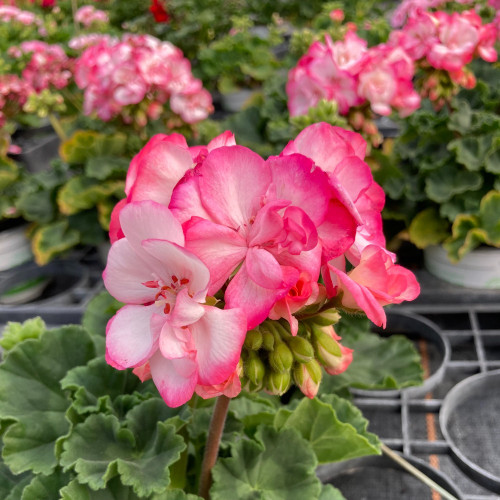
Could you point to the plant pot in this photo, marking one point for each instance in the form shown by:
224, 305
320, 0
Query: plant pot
379, 477
39, 147
478, 269
233, 102
15, 247
469, 423
52, 284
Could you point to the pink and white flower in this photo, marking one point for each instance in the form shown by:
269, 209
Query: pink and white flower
165, 322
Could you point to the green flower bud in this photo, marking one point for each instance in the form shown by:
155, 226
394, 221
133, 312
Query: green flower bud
325, 345
281, 359
253, 340
307, 377
327, 318
253, 368
267, 340
277, 383
301, 348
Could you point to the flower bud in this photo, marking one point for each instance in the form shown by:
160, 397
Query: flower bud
307, 377
267, 340
301, 348
253, 340
277, 383
330, 353
327, 317
281, 359
253, 368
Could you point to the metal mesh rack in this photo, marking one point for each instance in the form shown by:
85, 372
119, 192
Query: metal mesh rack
470, 321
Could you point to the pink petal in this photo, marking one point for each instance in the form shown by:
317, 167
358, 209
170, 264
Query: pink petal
263, 269
255, 300
186, 200
296, 180
175, 343
126, 271
307, 261
355, 175
224, 139
268, 224
129, 339
186, 310
233, 181
179, 262
159, 172
221, 249
145, 220
338, 231
219, 337
115, 230
174, 378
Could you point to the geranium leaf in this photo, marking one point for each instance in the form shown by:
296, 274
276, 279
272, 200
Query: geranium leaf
447, 181
101, 448
334, 427
330, 493
10, 483
30, 395
471, 151
428, 228
253, 410
14, 333
378, 363
95, 318
267, 469
97, 385
115, 490
52, 239
46, 487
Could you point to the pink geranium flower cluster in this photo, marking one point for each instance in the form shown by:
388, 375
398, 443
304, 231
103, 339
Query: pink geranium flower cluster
353, 76
14, 93
220, 221
88, 15
48, 66
11, 13
139, 70
447, 42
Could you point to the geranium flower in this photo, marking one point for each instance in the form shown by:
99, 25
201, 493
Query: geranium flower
260, 220
165, 322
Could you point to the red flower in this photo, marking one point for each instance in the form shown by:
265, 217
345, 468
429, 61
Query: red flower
159, 12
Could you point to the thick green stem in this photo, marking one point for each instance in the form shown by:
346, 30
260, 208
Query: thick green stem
57, 127
212, 448
417, 473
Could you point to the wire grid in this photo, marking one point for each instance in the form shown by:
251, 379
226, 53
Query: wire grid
470, 320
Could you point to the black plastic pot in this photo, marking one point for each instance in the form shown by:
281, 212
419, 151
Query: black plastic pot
469, 420
381, 478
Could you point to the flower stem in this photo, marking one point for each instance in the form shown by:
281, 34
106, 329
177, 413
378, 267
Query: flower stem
417, 473
57, 127
212, 447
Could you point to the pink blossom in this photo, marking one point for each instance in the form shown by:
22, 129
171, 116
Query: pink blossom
165, 322
117, 75
241, 213
14, 93
303, 293
457, 40
337, 15
88, 14
375, 282
335, 365
48, 66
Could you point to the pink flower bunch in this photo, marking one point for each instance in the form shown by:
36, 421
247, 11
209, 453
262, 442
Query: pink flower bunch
139, 69
446, 43
220, 221
11, 13
88, 15
14, 93
352, 75
49, 66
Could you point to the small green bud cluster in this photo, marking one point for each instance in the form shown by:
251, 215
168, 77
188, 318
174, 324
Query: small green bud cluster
273, 358
44, 103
